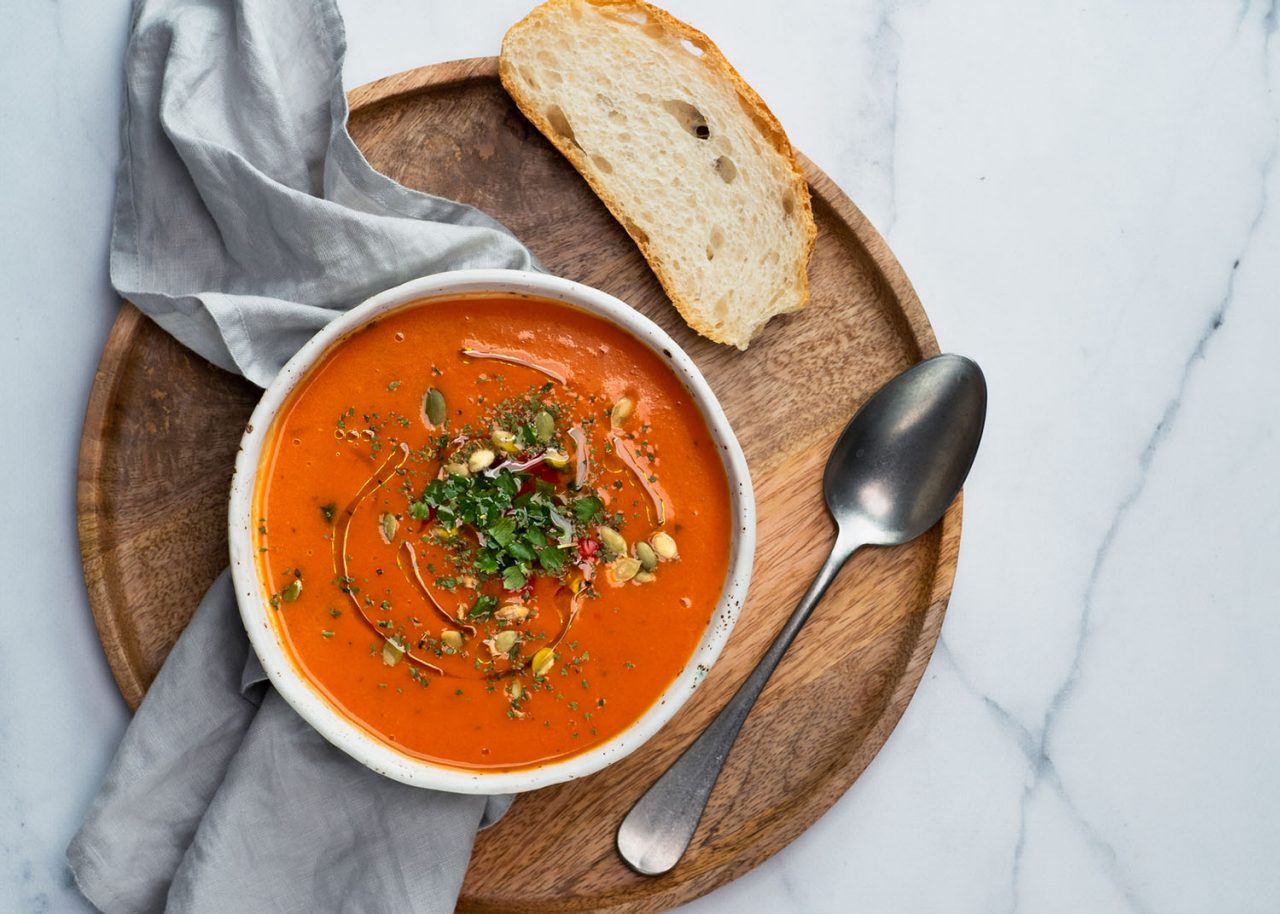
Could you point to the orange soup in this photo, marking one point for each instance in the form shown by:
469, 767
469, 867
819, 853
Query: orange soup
493, 529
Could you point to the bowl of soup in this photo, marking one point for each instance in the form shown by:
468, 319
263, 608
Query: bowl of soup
489, 530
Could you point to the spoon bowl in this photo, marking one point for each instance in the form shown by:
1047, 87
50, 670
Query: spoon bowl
901, 460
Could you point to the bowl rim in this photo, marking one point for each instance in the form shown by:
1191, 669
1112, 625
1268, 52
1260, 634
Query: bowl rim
319, 711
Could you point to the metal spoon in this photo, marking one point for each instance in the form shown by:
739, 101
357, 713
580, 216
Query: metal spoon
891, 476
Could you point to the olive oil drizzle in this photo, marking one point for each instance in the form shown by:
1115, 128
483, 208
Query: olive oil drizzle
424, 590
339, 546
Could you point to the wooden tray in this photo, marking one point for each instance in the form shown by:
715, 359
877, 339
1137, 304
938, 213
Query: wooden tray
163, 426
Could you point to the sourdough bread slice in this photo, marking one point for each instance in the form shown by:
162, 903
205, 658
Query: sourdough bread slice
682, 151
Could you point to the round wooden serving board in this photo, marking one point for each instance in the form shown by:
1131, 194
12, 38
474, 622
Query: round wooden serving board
163, 426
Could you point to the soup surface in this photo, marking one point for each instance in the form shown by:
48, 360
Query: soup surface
493, 529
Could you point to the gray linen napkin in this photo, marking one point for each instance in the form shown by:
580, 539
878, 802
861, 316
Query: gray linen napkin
246, 218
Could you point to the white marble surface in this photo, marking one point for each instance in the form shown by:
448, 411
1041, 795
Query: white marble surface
1086, 197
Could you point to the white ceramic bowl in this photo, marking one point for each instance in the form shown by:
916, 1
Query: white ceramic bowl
332, 723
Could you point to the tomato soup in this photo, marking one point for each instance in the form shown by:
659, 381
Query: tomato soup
492, 529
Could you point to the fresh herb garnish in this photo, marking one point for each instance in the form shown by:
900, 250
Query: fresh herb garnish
519, 524
586, 508
482, 608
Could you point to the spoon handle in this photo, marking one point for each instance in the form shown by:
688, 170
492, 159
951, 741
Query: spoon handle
655, 833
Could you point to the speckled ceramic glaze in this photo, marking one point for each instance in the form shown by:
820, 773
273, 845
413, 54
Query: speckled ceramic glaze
328, 720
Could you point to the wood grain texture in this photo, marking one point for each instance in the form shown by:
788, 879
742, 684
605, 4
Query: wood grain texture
163, 425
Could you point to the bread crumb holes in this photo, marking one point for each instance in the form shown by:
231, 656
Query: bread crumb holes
689, 117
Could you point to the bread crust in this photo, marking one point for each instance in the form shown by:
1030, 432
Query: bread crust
762, 117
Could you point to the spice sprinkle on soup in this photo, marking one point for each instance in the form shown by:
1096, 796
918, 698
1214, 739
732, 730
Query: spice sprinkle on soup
493, 529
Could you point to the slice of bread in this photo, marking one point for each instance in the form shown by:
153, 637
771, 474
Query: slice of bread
682, 151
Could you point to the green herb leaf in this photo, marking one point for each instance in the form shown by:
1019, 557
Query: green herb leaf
483, 607
535, 537
513, 577
507, 483
521, 551
503, 531
586, 508
552, 559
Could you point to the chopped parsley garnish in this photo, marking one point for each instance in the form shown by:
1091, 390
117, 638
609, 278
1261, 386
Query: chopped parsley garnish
523, 526
483, 607
519, 524
586, 508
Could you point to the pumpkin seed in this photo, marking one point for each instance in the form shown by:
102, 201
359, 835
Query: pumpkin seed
392, 653
644, 577
614, 541
625, 569
451, 639
512, 612
622, 411
389, 525
504, 440
504, 641
648, 558
480, 460
293, 591
664, 545
544, 426
434, 406
456, 469
515, 690
557, 458
543, 661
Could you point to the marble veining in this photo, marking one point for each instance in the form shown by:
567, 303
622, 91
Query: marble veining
1037, 746
1086, 199
881, 106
